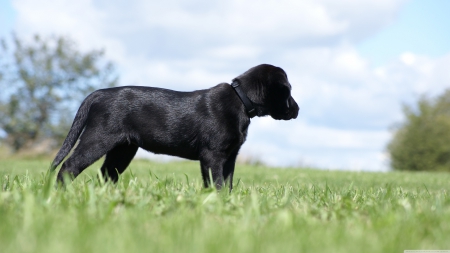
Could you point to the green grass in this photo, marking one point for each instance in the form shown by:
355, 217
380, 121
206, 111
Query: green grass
162, 207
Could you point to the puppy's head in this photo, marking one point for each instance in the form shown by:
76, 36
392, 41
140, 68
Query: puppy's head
268, 88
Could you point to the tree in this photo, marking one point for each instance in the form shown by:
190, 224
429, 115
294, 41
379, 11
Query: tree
422, 142
42, 83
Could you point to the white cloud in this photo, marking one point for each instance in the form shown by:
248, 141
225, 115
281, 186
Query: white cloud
408, 58
297, 141
346, 105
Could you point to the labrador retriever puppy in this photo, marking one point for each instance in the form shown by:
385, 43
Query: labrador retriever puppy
206, 125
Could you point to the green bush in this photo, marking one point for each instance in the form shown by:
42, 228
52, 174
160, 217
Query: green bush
422, 142
42, 82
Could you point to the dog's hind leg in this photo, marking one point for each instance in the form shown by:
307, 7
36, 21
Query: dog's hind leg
91, 147
117, 160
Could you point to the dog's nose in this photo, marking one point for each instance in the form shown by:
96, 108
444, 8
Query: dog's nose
294, 114
294, 108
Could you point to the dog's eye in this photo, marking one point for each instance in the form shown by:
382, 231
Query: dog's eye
287, 103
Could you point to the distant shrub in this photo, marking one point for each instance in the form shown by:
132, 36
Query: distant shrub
422, 142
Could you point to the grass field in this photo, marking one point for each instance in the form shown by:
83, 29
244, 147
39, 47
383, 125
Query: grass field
161, 207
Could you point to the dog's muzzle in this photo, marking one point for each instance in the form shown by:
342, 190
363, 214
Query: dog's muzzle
293, 109
287, 111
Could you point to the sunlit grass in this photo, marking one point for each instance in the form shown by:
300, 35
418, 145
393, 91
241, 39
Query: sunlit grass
162, 207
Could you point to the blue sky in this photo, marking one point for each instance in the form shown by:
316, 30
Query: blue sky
7, 17
352, 63
422, 27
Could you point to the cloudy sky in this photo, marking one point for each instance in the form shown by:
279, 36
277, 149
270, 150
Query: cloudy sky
352, 63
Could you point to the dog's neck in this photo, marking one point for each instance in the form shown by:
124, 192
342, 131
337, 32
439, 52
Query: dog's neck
249, 107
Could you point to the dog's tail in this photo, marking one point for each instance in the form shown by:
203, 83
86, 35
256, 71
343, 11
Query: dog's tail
75, 131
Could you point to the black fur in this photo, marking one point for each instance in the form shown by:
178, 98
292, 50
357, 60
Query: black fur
207, 125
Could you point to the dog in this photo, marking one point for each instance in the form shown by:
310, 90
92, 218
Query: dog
207, 125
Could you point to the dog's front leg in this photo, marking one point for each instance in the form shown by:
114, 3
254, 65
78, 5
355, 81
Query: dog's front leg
228, 169
212, 164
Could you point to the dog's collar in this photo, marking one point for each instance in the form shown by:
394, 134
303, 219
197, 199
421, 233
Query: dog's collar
251, 111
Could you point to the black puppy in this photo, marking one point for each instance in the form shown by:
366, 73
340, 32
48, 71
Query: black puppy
207, 125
